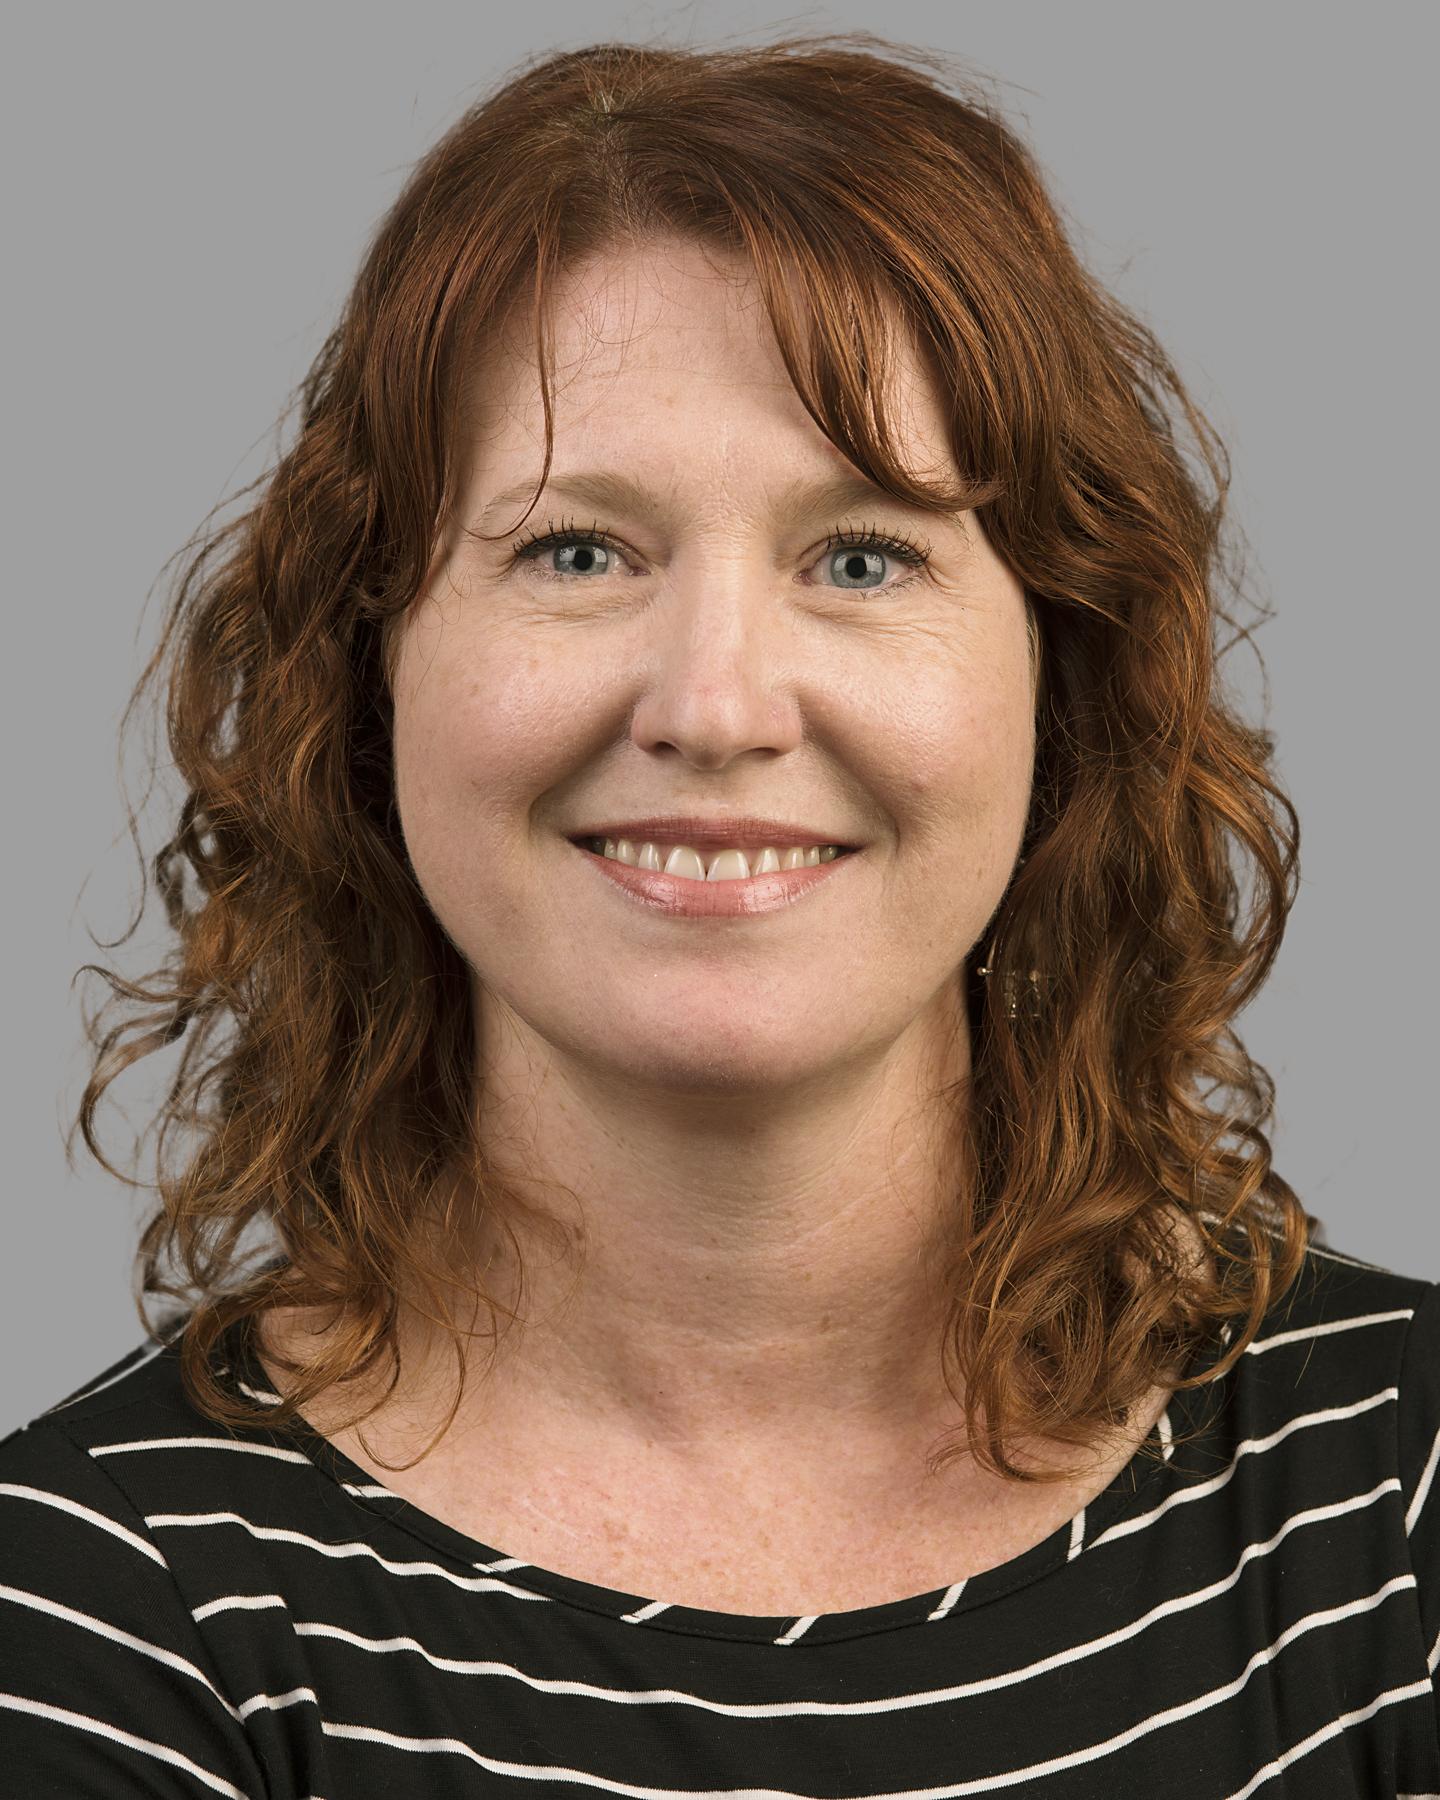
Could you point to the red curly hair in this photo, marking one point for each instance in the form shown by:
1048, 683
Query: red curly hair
867, 183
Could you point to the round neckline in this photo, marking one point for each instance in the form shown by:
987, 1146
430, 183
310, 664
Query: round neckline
1186, 1410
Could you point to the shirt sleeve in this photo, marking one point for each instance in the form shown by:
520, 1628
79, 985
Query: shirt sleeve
106, 1686
1418, 1425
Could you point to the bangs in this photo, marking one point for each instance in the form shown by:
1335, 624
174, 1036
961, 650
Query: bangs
844, 333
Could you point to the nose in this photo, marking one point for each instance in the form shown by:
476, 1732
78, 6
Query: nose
717, 678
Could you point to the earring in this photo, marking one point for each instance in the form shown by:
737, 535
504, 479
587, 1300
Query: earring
1011, 984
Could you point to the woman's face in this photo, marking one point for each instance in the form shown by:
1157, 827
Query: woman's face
711, 654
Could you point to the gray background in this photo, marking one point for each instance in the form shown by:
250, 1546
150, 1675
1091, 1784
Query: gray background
189, 190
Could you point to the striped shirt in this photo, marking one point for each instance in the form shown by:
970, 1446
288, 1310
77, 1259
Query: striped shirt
190, 1612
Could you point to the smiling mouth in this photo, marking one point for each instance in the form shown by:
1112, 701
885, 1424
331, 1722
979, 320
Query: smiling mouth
686, 862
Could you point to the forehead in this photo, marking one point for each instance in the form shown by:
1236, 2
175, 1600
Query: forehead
668, 337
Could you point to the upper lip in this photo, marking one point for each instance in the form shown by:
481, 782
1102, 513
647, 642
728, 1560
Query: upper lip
675, 828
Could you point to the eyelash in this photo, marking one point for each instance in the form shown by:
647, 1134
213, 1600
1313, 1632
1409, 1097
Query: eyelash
905, 550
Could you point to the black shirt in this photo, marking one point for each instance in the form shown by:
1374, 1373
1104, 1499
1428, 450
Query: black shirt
188, 1612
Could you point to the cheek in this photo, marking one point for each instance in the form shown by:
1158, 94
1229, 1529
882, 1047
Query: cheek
471, 719
483, 731
963, 813
964, 758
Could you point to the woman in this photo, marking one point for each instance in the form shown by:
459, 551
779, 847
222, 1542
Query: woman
710, 801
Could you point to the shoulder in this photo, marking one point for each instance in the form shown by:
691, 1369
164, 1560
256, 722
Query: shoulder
105, 1680
72, 1460
56, 1446
141, 1393
1373, 1310
130, 1449
1345, 1367
1344, 1322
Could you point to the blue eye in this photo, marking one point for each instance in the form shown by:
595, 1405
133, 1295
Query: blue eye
852, 567
589, 555
854, 557
585, 562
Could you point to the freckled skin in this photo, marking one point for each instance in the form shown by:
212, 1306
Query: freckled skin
744, 1113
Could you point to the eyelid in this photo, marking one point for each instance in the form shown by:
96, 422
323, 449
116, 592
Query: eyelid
912, 554
567, 532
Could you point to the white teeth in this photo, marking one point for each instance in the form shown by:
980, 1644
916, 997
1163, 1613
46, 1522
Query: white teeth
725, 865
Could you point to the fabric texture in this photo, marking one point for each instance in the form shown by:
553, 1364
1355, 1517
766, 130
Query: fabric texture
188, 1612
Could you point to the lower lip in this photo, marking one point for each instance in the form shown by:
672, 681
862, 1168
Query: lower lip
682, 899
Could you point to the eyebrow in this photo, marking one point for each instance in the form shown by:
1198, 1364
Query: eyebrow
800, 501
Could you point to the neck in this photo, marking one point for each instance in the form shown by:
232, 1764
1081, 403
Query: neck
741, 1267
